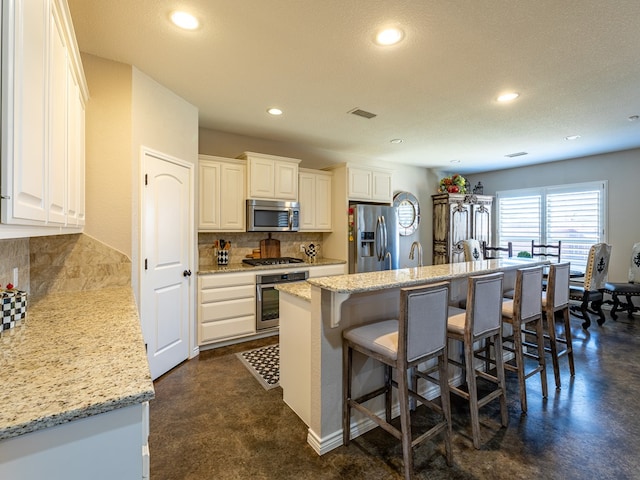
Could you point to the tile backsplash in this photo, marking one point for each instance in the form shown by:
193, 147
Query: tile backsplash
243, 244
14, 253
71, 263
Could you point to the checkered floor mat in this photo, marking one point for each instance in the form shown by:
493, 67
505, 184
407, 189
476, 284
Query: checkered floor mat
264, 364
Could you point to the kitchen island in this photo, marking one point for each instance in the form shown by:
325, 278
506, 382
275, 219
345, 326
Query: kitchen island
313, 315
75, 389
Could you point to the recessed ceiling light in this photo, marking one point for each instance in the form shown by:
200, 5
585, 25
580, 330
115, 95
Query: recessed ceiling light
274, 111
185, 20
396, 140
389, 36
572, 137
455, 161
507, 97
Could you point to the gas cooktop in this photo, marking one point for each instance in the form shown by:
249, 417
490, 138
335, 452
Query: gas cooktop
257, 262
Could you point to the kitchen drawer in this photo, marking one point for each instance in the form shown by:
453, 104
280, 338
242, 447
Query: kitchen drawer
228, 293
231, 327
227, 279
227, 309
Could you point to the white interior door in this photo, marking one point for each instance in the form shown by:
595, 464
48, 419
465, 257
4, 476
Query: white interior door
165, 278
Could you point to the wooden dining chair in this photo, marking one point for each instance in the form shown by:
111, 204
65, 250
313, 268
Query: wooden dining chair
591, 291
628, 290
490, 253
549, 251
472, 250
418, 335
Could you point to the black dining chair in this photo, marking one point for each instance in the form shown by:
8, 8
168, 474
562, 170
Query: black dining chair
628, 290
550, 251
491, 253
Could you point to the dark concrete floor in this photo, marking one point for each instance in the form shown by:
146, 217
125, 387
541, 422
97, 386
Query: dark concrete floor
212, 420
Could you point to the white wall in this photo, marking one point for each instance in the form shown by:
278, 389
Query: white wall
163, 122
621, 169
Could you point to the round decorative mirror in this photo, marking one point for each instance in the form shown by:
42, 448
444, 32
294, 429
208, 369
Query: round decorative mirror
408, 212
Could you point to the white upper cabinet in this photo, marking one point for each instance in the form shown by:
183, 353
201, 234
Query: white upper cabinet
43, 96
369, 184
270, 177
221, 192
315, 200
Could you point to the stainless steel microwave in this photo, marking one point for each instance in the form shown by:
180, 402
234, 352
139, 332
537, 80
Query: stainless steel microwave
272, 216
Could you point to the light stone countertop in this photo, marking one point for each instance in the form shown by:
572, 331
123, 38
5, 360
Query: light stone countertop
297, 289
243, 267
405, 277
78, 354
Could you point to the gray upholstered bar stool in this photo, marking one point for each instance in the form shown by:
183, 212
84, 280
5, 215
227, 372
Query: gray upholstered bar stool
523, 313
556, 299
482, 321
420, 334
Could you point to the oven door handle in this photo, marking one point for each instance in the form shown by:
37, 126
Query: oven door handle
263, 286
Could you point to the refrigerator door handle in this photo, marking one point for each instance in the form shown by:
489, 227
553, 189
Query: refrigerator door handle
378, 239
385, 245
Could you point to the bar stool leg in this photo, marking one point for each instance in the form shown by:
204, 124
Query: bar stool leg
446, 406
347, 365
517, 347
405, 422
473, 393
568, 337
553, 346
541, 359
502, 380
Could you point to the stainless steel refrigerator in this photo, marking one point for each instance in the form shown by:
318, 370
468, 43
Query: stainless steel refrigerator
374, 243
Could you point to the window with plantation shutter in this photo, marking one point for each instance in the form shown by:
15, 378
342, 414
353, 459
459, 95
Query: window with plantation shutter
573, 214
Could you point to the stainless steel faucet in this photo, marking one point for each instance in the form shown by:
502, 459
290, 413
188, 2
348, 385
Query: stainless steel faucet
388, 254
413, 248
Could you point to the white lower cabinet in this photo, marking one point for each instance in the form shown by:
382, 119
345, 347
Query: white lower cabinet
226, 306
100, 447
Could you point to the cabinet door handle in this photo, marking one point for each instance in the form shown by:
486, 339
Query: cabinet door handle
186, 273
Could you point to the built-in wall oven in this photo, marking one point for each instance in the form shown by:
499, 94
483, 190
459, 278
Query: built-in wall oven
268, 299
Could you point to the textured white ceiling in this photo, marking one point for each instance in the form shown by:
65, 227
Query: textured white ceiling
576, 64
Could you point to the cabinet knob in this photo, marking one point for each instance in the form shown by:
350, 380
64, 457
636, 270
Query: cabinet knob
186, 273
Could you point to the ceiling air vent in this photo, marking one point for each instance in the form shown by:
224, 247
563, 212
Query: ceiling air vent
362, 113
517, 154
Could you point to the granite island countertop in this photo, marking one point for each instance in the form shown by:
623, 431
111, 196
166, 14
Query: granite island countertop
243, 267
405, 277
78, 354
297, 289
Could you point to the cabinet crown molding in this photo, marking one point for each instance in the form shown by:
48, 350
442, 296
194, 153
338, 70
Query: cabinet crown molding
246, 155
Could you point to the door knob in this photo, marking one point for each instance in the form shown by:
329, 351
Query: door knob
186, 273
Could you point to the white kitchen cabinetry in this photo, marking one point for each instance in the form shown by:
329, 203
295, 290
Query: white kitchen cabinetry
221, 193
369, 184
315, 200
43, 97
226, 306
328, 270
100, 447
270, 177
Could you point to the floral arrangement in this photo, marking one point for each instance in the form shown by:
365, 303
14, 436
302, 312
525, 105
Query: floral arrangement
453, 184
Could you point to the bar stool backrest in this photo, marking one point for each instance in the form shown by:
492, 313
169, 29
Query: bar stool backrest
485, 298
527, 300
423, 320
558, 286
